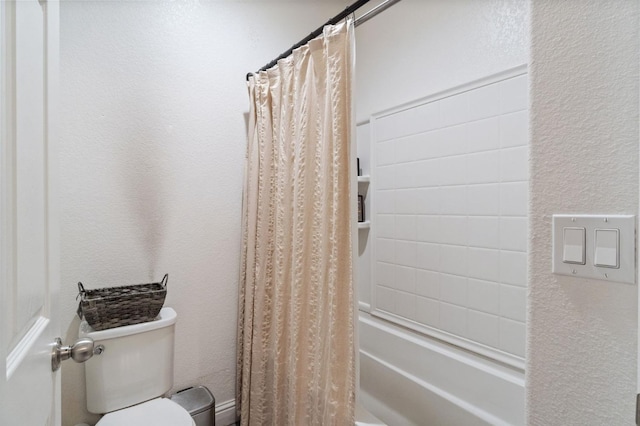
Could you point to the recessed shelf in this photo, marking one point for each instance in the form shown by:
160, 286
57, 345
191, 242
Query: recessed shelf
364, 179
364, 225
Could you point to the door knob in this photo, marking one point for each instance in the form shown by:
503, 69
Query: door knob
81, 351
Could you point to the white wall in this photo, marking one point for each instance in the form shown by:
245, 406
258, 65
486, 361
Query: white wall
419, 47
415, 49
584, 159
152, 151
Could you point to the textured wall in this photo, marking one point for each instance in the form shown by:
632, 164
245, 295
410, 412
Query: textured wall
420, 47
152, 152
584, 159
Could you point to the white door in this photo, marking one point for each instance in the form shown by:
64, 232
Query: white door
29, 265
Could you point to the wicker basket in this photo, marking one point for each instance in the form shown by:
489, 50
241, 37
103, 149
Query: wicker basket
112, 307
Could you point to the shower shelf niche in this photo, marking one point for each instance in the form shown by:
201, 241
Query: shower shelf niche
363, 187
364, 225
364, 180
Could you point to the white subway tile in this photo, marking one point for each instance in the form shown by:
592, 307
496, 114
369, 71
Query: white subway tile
385, 201
514, 199
484, 232
385, 226
427, 312
453, 200
428, 201
428, 229
483, 135
453, 289
385, 153
425, 146
386, 128
406, 201
512, 337
428, 283
427, 173
513, 268
405, 253
484, 102
484, 200
453, 260
483, 167
513, 302
514, 164
484, 264
514, 129
454, 109
386, 177
513, 233
514, 94
451, 140
385, 299
453, 230
454, 173
484, 328
405, 175
405, 148
427, 117
405, 227
453, 170
405, 123
385, 250
405, 305
453, 319
484, 296
428, 256
385, 274
405, 279
408, 122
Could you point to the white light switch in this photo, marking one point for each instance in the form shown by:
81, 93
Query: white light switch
573, 246
600, 247
606, 248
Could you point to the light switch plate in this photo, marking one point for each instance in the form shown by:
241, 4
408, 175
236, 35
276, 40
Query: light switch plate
626, 224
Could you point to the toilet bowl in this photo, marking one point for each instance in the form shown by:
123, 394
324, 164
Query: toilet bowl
132, 368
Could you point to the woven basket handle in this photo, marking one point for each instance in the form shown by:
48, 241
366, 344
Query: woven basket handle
80, 294
164, 281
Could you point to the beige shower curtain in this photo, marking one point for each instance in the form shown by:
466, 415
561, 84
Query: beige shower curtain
296, 353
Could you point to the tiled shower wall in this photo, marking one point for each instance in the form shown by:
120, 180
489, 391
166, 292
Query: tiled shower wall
450, 186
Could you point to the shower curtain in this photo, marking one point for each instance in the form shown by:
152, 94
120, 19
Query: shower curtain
296, 352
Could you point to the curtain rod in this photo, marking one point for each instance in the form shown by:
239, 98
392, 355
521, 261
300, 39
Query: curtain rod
339, 17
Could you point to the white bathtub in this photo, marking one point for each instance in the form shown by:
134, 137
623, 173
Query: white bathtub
365, 418
408, 379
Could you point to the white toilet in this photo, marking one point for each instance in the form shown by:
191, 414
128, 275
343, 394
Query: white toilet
130, 372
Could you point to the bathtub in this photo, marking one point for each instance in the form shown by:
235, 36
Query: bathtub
365, 418
408, 379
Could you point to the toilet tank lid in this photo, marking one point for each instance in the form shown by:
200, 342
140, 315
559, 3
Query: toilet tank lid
165, 318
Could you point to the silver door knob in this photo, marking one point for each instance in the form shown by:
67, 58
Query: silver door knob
81, 351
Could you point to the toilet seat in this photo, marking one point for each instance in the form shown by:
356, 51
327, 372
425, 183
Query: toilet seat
157, 412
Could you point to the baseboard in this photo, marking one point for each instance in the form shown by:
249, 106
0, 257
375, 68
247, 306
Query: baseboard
226, 413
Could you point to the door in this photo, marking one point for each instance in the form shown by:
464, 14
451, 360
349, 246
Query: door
29, 265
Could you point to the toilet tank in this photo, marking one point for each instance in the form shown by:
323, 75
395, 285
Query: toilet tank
135, 364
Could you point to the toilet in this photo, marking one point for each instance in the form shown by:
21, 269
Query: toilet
131, 370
